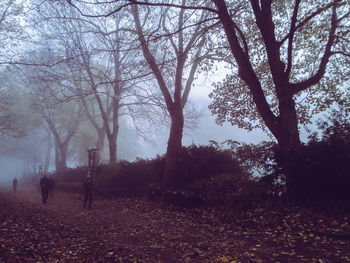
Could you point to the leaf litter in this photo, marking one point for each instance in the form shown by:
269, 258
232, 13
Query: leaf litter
138, 230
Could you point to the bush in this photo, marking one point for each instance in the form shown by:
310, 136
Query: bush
235, 190
71, 175
128, 179
205, 162
323, 164
327, 159
205, 176
261, 162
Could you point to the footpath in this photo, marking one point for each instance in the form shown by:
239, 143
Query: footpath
137, 230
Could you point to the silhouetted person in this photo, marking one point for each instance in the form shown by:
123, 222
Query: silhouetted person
14, 184
88, 188
45, 185
52, 186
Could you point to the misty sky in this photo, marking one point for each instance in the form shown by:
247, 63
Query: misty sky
207, 128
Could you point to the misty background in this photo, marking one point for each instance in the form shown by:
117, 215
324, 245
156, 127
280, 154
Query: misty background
206, 130
70, 82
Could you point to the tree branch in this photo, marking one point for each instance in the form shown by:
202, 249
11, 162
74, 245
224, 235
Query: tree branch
307, 19
133, 2
297, 87
291, 36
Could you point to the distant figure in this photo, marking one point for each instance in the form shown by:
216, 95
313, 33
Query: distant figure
14, 185
88, 189
52, 186
45, 185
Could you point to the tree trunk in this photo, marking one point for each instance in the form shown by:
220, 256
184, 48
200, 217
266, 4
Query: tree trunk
48, 152
112, 151
170, 174
290, 153
100, 144
57, 155
112, 144
63, 151
60, 156
285, 126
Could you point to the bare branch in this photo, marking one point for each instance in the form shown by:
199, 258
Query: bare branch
133, 2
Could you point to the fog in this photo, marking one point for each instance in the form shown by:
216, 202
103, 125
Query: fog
59, 111
131, 146
11, 167
205, 131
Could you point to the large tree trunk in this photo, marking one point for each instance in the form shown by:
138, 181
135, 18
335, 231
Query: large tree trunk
170, 174
60, 156
63, 151
290, 153
112, 141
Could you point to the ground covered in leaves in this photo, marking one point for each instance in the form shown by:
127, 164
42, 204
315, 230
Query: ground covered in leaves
137, 230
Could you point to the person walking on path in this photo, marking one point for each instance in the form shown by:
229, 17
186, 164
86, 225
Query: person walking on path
14, 184
88, 189
45, 184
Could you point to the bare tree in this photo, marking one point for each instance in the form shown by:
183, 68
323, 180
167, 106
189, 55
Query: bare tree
183, 49
14, 121
61, 116
100, 55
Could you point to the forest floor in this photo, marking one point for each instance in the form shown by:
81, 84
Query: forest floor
138, 230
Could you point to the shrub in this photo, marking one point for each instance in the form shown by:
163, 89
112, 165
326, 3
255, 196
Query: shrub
71, 175
205, 162
128, 179
261, 162
236, 190
327, 160
324, 162
206, 175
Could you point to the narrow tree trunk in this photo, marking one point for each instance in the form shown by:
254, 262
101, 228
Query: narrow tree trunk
48, 151
112, 144
57, 156
100, 144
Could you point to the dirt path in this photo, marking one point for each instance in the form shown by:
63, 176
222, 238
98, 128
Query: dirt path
124, 230
136, 230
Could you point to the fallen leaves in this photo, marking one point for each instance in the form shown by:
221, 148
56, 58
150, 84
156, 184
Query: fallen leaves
136, 230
